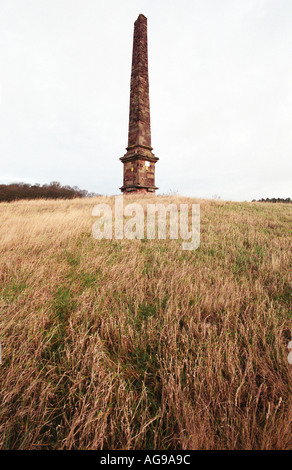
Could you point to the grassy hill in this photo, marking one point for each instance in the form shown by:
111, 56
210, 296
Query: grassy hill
137, 344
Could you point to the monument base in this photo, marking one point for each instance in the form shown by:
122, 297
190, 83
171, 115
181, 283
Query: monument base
138, 190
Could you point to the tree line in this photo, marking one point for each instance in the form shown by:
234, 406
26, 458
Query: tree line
53, 190
274, 199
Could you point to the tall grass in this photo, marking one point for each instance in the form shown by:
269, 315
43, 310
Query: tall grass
119, 344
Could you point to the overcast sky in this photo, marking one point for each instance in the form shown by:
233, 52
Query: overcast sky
220, 93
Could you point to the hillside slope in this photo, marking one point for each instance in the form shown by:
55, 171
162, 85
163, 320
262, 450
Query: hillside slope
120, 344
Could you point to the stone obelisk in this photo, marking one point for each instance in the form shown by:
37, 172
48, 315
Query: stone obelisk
139, 161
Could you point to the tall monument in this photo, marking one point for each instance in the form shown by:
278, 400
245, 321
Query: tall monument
139, 161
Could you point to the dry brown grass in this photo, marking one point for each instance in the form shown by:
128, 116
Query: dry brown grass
137, 344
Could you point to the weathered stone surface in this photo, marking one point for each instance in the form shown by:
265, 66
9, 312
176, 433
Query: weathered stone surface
139, 161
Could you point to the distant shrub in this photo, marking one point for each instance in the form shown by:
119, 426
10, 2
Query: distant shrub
54, 190
274, 199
